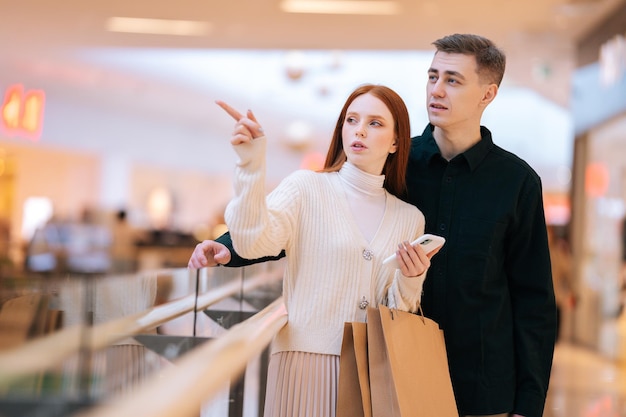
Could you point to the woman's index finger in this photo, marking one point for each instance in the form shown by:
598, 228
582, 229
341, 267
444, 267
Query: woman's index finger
231, 111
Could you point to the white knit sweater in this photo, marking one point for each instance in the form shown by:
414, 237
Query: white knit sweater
327, 274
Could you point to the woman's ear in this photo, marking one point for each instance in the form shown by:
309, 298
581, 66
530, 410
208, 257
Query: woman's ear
394, 146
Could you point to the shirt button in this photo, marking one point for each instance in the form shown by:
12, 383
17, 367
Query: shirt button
368, 254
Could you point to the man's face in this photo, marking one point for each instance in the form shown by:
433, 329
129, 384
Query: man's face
455, 93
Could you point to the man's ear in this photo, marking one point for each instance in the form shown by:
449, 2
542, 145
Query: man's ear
490, 93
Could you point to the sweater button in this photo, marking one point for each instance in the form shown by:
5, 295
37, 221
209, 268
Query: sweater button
363, 303
368, 254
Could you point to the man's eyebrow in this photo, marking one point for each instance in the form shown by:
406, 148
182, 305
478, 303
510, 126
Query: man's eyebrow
450, 73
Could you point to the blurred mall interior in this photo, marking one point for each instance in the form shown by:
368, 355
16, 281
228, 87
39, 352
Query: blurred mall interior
115, 160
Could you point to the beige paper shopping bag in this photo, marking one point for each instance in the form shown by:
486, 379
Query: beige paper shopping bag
408, 366
353, 396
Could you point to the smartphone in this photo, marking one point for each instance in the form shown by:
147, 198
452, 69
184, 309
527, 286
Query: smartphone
428, 242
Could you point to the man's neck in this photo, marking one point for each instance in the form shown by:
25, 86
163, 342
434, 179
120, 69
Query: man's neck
452, 142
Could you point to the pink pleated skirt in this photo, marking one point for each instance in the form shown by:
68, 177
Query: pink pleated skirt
301, 384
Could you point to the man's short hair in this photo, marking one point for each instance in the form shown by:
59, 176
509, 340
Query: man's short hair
490, 60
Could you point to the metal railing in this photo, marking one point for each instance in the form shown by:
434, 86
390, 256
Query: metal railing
180, 391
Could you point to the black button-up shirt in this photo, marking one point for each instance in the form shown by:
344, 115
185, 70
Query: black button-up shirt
490, 286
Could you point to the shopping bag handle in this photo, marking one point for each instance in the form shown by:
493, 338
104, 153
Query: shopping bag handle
419, 313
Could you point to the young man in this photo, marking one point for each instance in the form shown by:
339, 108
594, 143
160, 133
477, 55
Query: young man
490, 287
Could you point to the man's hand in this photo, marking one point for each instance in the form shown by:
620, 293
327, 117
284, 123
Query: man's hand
209, 253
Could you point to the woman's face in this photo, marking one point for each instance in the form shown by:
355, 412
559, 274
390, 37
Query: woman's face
368, 134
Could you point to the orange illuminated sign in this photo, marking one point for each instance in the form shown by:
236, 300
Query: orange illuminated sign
596, 179
21, 113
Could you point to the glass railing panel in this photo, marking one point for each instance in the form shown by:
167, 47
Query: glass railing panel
69, 342
43, 330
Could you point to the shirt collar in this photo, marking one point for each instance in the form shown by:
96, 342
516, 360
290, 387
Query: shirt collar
473, 155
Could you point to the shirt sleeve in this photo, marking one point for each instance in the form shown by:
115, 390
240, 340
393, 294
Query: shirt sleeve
533, 301
236, 260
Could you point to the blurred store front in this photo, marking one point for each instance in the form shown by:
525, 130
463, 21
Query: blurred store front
55, 203
599, 187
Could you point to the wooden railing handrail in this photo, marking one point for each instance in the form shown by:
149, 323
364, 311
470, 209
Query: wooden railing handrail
181, 390
47, 352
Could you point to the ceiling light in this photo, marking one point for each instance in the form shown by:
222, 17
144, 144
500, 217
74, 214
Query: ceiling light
299, 135
295, 65
158, 26
341, 7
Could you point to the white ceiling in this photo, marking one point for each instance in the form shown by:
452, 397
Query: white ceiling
150, 97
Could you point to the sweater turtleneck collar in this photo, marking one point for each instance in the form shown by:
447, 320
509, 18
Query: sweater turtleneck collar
362, 181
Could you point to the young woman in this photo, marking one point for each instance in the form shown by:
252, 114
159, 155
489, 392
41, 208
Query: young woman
336, 227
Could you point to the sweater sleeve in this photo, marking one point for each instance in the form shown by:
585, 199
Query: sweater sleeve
259, 225
405, 293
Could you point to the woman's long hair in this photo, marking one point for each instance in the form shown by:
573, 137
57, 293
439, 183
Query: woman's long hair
395, 166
